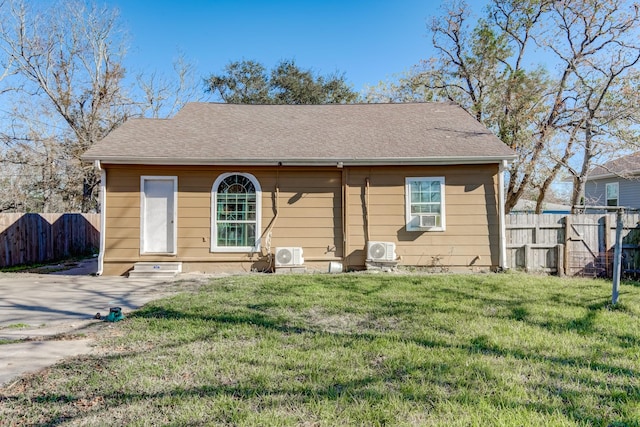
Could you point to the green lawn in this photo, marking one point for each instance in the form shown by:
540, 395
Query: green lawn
356, 349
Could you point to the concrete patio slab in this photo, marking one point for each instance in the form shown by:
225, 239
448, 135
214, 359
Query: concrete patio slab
35, 308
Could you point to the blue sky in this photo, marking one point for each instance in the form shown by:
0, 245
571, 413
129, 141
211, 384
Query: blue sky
367, 40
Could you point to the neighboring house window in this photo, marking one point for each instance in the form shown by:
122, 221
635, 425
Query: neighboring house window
612, 191
235, 211
425, 204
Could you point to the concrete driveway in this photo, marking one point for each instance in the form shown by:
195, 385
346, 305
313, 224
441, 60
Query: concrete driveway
58, 299
37, 307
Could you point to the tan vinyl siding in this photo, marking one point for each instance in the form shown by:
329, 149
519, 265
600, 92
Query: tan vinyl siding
472, 226
307, 211
308, 215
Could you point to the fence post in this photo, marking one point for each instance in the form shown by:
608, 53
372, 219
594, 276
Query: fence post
567, 243
607, 243
560, 256
617, 259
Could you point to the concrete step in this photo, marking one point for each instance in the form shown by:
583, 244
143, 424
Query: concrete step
156, 269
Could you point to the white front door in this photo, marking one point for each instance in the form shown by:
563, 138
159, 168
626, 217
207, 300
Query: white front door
158, 214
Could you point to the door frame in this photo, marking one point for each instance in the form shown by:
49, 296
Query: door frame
143, 179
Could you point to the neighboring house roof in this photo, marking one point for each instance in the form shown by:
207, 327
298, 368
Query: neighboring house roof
623, 166
526, 205
210, 133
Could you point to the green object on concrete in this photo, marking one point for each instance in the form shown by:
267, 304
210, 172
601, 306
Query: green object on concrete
115, 314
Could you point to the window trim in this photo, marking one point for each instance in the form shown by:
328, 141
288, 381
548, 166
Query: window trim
410, 220
606, 193
214, 205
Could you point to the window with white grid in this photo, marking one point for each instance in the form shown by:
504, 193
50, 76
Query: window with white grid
235, 213
425, 204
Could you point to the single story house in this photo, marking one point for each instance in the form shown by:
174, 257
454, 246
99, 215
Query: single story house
615, 183
223, 187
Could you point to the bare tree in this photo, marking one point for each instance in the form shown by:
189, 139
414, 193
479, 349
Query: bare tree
6, 62
600, 52
407, 87
163, 96
556, 120
69, 90
482, 68
73, 59
523, 94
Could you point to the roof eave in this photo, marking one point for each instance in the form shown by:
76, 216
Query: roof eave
624, 175
301, 162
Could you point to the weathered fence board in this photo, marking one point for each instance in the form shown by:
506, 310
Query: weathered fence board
33, 238
580, 244
532, 241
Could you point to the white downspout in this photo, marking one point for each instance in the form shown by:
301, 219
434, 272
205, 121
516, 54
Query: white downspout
503, 231
103, 216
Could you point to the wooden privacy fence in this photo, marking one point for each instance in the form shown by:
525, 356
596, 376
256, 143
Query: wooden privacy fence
33, 238
580, 244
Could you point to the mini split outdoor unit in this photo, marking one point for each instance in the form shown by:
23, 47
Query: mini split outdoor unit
289, 257
381, 251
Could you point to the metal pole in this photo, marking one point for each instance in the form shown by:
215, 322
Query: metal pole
617, 258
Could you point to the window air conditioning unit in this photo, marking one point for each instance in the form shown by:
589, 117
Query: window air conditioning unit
381, 251
429, 220
289, 257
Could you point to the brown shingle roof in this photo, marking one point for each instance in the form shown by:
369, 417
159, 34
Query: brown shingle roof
209, 133
623, 166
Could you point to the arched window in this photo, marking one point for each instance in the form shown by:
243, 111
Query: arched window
235, 212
